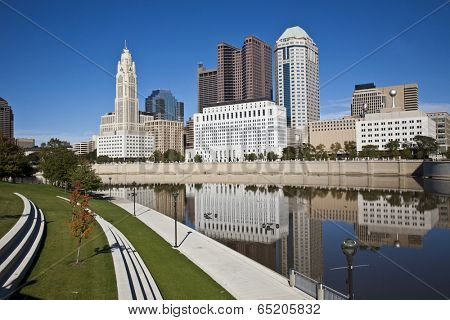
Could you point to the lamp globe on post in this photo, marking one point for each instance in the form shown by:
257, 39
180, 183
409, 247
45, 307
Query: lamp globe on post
134, 197
393, 93
349, 248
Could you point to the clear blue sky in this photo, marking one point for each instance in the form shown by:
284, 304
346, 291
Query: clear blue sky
56, 92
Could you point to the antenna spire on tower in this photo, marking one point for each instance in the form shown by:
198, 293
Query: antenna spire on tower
126, 44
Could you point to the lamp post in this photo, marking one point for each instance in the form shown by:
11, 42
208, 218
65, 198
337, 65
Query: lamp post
175, 196
110, 187
349, 248
134, 197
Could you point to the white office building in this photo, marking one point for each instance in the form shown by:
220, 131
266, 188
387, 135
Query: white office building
122, 133
226, 132
297, 81
85, 147
388, 125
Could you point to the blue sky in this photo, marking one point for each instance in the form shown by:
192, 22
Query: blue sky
56, 92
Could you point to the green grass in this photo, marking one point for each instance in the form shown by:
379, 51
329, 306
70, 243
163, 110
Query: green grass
11, 207
54, 275
177, 277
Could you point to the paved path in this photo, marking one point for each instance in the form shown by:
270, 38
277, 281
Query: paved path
134, 281
241, 276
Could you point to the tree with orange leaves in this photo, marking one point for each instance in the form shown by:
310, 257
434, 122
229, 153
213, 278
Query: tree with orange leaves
83, 220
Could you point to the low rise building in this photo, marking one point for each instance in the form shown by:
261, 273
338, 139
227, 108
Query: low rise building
25, 143
327, 132
226, 132
391, 124
85, 147
167, 134
442, 120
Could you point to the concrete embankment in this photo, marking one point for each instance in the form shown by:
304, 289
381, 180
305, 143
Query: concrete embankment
363, 174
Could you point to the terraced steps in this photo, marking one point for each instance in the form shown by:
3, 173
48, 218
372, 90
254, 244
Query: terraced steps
19, 247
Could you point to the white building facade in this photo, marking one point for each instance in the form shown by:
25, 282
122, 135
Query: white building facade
297, 81
388, 125
227, 132
122, 133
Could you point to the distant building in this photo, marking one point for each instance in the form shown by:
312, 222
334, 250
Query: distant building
189, 134
25, 143
206, 87
163, 105
122, 133
391, 124
226, 132
367, 98
6, 120
85, 147
327, 132
442, 120
167, 134
297, 81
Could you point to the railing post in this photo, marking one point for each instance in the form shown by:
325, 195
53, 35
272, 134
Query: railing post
292, 278
320, 292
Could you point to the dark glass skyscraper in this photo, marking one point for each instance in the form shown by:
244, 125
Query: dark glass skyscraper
6, 120
162, 104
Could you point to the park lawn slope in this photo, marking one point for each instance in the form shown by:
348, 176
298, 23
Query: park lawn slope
176, 276
54, 275
11, 208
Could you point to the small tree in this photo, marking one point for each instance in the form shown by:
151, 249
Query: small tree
171, 155
198, 158
83, 220
157, 156
392, 148
260, 156
86, 176
425, 146
288, 153
370, 151
350, 149
335, 148
272, 156
13, 162
252, 157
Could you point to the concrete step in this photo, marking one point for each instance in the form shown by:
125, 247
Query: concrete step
22, 249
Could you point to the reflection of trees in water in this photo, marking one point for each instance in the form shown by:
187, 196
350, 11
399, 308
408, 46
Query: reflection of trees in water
166, 187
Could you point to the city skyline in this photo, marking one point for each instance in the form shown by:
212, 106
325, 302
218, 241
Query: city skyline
35, 111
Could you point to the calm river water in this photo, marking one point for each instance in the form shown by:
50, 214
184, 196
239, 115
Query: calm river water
403, 236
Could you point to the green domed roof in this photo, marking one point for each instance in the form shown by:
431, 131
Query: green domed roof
294, 32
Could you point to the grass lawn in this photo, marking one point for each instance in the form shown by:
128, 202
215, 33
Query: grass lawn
11, 207
54, 276
177, 277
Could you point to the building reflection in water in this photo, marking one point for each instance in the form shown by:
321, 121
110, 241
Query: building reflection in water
281, 227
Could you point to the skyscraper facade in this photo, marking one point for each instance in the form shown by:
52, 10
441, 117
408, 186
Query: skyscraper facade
297, 80
6, 120
163, 105
122, 133
207, 87
246, 73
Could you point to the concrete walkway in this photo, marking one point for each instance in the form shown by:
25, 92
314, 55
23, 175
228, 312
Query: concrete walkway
134, 281
239, 275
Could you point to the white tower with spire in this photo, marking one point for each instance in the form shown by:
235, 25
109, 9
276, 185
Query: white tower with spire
122, 132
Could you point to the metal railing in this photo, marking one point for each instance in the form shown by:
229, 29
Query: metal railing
314, 288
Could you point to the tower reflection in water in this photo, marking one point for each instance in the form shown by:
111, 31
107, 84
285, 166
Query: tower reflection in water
282, 227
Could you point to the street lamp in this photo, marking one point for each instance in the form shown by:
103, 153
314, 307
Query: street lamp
110, 187
349, 248
134, 197
175, 196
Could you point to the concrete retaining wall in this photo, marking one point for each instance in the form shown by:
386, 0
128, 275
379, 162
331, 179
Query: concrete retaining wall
370, 167
437, 169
